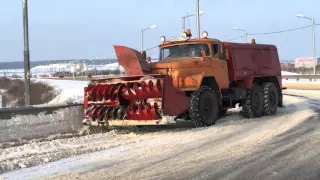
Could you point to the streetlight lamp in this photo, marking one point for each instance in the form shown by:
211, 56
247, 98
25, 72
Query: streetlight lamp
151, 27
313, 40
244, 31
26, 53
184, 20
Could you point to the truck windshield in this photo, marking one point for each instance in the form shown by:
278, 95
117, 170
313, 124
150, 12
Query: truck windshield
192, 50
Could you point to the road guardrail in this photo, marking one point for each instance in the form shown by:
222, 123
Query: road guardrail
300, 77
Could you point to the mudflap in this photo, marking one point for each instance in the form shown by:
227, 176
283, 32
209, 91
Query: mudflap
174, 101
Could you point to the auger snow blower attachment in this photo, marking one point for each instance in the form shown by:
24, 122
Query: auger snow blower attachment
139, 98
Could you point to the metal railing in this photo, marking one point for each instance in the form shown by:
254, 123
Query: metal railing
311, 78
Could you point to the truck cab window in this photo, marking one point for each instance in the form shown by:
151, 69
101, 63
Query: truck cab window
215, 49
185, 50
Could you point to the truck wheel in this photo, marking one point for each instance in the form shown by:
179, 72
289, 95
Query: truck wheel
270, 98
204, 107
280, 101
223, 113
253, 106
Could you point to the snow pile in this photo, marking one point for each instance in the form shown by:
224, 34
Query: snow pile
285, 73
69, 91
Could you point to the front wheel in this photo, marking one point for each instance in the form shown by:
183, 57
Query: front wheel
204, 107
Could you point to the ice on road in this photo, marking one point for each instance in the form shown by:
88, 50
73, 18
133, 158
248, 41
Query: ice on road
281, 146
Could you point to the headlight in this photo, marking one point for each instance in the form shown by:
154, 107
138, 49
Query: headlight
205, 34
163, 39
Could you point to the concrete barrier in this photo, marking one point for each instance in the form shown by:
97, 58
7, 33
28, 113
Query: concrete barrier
37, 122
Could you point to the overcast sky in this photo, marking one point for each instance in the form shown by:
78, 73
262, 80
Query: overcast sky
68, 29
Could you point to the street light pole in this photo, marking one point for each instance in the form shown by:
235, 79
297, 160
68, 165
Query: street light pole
26, 53
245, 36
198, 18
151, 27
244, 31
184, 20
142, 41
183, 24
313, 41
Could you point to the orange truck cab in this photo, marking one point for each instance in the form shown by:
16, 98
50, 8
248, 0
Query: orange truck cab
194, 79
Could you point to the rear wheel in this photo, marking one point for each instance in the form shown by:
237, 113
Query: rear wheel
223, 112
204, 107
271, 98
253, 106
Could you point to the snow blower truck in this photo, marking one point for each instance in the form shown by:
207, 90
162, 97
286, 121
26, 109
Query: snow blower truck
195, 79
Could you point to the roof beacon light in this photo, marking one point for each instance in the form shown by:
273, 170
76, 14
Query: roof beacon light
163, 39
188, 32
205, 34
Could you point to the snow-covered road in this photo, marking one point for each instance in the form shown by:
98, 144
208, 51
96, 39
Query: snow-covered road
285, 146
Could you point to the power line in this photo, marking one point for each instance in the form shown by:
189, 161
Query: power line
151, 48
235, 38
276, 32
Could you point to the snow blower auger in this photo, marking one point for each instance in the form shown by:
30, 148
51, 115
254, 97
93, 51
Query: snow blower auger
135, 99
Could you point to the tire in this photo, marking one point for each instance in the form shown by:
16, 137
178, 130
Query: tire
223, 113
270, 98
280, 101
253, 106
204, 107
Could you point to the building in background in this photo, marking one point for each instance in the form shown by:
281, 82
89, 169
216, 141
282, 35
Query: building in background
304, 62
287, 65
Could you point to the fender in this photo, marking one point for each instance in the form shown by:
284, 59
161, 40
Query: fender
248, 80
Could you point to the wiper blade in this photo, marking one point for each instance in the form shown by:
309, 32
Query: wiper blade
183, 46
171, 54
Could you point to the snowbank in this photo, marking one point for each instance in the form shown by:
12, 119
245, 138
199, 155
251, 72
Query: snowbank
69, 91
288, 73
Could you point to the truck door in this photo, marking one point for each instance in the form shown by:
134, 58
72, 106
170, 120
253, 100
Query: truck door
220, 67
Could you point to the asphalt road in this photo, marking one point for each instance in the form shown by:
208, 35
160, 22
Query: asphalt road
285, 146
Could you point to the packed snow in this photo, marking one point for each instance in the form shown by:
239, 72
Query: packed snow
234, 134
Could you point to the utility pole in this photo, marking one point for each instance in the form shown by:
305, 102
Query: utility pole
198, 18
26, 53
314, 47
